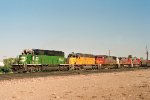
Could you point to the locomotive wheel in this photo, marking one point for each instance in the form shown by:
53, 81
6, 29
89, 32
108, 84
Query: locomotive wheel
61, 68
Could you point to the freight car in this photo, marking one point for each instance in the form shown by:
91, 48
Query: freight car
145, 63
46, 60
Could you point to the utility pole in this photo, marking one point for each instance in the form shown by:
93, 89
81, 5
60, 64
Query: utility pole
147, 53
109, 53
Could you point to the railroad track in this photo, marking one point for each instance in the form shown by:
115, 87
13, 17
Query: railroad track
64, 73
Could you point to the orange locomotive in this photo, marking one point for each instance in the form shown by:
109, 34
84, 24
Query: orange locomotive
79, 60
106, 61
124, 61
136, 61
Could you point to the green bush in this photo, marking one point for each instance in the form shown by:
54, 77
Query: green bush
6, 69
0, 69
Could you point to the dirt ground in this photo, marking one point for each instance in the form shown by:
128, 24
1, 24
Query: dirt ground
128, 85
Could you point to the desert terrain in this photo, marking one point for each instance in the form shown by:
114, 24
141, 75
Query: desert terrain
127, 85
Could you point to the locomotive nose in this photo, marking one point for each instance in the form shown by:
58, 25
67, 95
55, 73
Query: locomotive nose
22, 59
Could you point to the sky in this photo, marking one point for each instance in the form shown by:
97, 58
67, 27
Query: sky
85, 26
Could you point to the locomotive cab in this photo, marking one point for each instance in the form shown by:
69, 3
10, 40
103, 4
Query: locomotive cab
71, 59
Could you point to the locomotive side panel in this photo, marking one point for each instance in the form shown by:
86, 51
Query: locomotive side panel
110, 61
81, 59
124, 61
85, 60
99, 60
136, 62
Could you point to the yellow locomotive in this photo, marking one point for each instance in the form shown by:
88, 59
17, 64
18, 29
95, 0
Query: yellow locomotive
81, 59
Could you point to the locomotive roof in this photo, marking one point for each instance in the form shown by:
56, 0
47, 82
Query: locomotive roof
105, 56
100, 55
46, 50
43, 52
81, 55
123, 57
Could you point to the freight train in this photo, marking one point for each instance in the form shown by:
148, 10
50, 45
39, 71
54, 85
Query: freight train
37, 60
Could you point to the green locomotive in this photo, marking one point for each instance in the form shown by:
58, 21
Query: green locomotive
39, 60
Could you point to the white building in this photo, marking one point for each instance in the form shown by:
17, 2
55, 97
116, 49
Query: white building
1, 64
